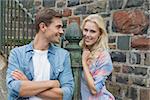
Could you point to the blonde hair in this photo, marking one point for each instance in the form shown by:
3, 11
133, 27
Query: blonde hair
102, 42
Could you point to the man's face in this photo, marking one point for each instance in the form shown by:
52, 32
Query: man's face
54, 30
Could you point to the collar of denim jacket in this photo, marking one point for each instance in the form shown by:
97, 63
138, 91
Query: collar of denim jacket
51, 49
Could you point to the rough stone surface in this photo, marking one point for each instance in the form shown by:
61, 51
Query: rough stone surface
147, 59
61, 3
144, 94
76, 19
134, 58
86, 1
73, 3
80, 10
134, 3
97, 7
115, 4
49, 3
118, 56
3, 90
67, 12
140, 42
132, 93
130, 22
123, 42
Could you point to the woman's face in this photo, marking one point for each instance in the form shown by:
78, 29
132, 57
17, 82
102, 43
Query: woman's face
91, 33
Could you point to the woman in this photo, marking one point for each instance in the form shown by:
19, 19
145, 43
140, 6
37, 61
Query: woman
96, 61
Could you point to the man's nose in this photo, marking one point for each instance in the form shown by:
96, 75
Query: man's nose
61, 31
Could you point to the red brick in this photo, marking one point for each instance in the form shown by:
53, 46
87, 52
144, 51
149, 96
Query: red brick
141, 42
130, 22
145, 94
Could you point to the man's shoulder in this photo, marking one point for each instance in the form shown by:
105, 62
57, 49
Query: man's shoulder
19, 49
61, 50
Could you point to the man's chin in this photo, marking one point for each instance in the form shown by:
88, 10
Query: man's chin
56, 42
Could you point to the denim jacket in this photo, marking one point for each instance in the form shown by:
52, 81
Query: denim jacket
21, 58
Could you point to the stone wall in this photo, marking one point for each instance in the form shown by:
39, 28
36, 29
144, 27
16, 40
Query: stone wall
3, 90
128, 27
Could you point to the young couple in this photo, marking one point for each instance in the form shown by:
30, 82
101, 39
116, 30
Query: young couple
42, 71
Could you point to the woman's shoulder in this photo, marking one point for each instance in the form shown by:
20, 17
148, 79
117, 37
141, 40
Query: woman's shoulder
102, 53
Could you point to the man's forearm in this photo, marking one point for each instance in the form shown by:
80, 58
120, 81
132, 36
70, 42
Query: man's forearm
52, 94
32, 88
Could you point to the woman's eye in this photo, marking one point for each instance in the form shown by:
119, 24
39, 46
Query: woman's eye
93, 31
85, 30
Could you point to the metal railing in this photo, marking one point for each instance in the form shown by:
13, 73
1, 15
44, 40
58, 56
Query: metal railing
16, 25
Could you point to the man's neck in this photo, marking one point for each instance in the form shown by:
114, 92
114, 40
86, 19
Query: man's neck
40, 43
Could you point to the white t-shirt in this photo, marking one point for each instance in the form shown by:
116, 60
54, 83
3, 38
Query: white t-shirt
41, 67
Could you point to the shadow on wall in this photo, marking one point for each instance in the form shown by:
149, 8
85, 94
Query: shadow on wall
3, 66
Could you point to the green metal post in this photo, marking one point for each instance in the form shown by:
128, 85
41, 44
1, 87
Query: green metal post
1, 13
73, 36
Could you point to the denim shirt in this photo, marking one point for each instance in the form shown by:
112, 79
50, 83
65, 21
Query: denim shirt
21, 58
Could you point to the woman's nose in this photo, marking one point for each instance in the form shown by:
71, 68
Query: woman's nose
87, 33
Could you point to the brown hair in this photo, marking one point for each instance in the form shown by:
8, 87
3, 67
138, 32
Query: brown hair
45, 15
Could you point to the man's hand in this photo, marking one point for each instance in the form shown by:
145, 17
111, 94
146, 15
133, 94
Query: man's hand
18, 75
56, 83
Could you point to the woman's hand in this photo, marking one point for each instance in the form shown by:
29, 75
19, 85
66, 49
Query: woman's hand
85, 54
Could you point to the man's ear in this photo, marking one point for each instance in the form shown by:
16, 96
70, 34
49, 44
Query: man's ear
42, 27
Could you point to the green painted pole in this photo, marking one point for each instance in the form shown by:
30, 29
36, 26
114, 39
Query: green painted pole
1, 12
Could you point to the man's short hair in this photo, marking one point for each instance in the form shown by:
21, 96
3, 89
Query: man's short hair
45, 15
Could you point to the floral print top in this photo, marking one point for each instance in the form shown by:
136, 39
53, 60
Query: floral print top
100, 68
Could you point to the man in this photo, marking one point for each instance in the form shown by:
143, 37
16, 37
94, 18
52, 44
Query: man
40, 70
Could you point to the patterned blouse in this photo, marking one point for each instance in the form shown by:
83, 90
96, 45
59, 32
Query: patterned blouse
100, 69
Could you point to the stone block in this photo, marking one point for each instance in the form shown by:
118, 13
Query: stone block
61, 3
86, 1
116, 68
140, 71
134, 58
72, 3
130, 22
139, 81
140, 43
118, 56
67, 12
123, 42
144, 94
80, 10
134, 3
76, 19
147, 59
115, 4
132, 93
49, 3
97, 7
127, 69
112, 39
122, 79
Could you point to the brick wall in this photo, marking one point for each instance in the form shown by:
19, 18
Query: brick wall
128, 27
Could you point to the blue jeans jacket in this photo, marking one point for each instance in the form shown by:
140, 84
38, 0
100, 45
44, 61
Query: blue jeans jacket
21, 58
